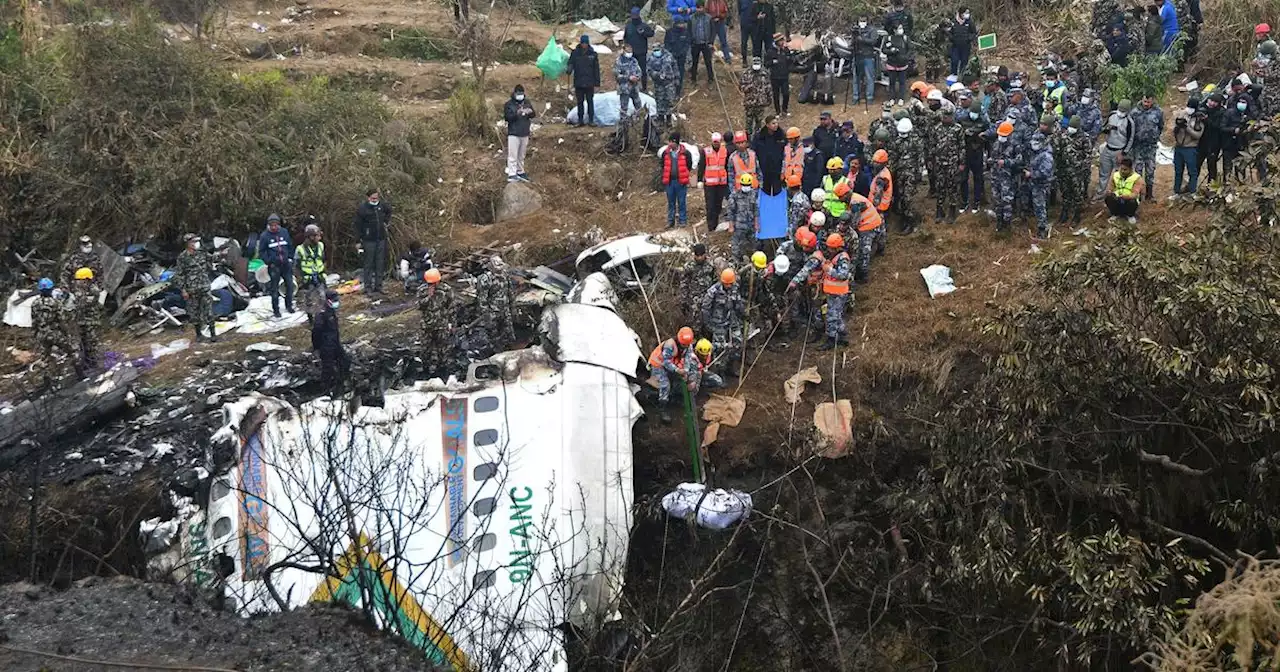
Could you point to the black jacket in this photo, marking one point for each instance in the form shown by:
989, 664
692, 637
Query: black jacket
963, 33
768, 148
518, 124
898, 50
845, 147
815, 166
324, 333
677, 41
584, 66
637, 34
372, 220
898, 18
824, 140
1118, 46
764, 26
865, 41
778, 61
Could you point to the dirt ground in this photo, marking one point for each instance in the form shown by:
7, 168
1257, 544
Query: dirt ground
130, 624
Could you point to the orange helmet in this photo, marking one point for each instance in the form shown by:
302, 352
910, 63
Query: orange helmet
810, 241
802, 233
880, 156
432, 276
793, 180
728, 277
842, 189
740, 136
793, 133
919, 87
684, 336
1005, 128
835, 240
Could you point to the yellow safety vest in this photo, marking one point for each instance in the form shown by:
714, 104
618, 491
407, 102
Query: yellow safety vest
835, 207
1124, 186
311, 262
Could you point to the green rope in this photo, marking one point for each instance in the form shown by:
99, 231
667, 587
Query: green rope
691, 432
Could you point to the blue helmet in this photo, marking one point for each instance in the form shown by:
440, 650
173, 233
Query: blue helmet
164, 277
45, 284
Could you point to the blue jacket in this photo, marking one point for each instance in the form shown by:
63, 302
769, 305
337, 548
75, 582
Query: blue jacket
1169, 21
680, 9
745, 16
275, 249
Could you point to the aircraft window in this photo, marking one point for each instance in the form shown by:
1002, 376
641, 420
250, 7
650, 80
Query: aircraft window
486, 437
484, 472
486, 542
221, 527
484, 507
484, 579
218, 490
486, 404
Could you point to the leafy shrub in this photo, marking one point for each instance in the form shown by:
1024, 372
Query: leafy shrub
416, 44
1142, 76
469, 111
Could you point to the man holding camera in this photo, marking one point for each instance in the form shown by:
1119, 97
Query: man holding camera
1188, 127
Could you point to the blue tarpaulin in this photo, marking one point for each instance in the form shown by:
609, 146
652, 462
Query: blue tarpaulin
773, 215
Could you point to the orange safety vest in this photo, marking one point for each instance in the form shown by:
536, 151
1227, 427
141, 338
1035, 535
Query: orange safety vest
741, 166
655, 357
887, 197
817, 274
870, 218
717, 173
792, 162
831, 285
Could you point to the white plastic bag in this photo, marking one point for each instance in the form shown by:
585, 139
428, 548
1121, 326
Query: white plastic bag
718, 510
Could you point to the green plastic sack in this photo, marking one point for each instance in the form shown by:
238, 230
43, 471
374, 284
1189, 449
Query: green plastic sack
255, 264
554, 59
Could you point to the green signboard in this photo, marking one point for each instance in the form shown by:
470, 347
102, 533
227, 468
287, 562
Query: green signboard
986, 42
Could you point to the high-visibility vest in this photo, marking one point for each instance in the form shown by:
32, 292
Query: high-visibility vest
747, 165
832, 285
1056, 96
792, 161
835, 207
655, 357
682, 167
886, 199
311, 260
870, 218
816, 275
1124, 186
717, 172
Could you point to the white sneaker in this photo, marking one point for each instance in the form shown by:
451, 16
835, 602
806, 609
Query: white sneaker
1133, 220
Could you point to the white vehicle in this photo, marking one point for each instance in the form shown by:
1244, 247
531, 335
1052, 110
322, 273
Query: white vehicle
474, 518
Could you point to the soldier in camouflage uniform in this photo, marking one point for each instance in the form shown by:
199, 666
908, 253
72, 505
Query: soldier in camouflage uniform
696, 361
1106, 13
83, 257
191, 275
1039, 176
744, 212
723, 312
947, 148
999, 102
1266, 71
1073, 155
88, 313
755, 278
926, 123
906, 161
494, 295
884, 121
837, 269
1148, 124
695, 277
49, 320
756, 94
799, 307
662, 68
1004, 162
439, 308
1090, 115
798, 206
1135, 28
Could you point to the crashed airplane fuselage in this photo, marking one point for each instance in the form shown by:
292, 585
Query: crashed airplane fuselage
472, 518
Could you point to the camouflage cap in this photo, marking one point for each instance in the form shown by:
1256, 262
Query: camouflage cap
899, 115
1075, 122
882, 134
1048, 119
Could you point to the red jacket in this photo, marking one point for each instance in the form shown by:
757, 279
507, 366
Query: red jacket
718, 9
682, 167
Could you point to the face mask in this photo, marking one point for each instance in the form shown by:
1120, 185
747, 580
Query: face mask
1072, 131
1242, 106
86, 248
1050, 83
755, 66
1122, 115
862, 24
965, 16
902, 135
745, 190
519, 97
657, 51
334, 304
195, 245
808, 150
897, 32
973, 116
1086, 100
373, 201
1003, 138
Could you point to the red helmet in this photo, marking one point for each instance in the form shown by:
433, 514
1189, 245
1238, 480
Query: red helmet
685, 336
740, 136
1261, 29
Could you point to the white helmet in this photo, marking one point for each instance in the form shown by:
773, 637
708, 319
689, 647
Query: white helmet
955, 87
817, 220
781, 264
817, 195
904, 126
934, 94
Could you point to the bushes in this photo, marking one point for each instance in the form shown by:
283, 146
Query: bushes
469, 112
1142, 76
115, 131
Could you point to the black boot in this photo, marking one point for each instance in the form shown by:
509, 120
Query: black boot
1062, 216
1150, 191
937, 214
664, 413
199, 335
828, 344
951, 215
213, 332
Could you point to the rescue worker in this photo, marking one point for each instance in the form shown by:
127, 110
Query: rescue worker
947, 148
714, 175
667, 360
696, 361
808, 275
755, 277
49, 320
723, 312
413, 264
836, 273
275, 249
743, 160
309, 257
791, 256
1053, 93
677, 165
438, 306
696, 277
1124, 192
494, 296
85, 291
1119, 140
872, 235
627, 73
744, 212
191, 274
754, 85
907, 157
1148, 125
1090, 114
974, 128
326, 341
83, 257
372, 220
1073, 152
814, 166
882, 184
666, 77
835, 175
1004, 162
792, 158
1039, 174
798, 205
